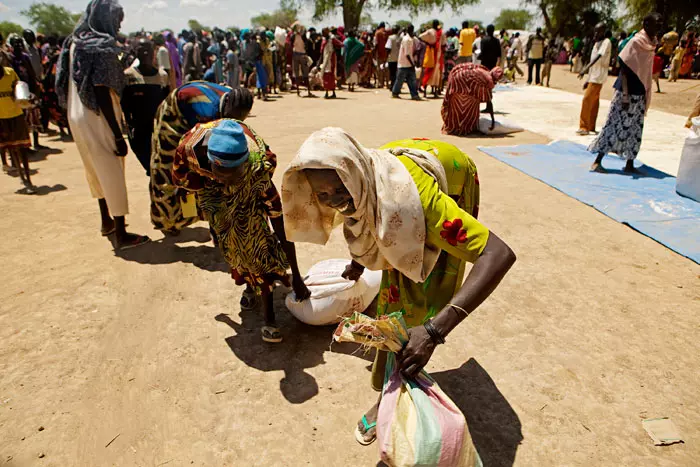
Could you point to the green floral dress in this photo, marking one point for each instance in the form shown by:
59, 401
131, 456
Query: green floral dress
450, 225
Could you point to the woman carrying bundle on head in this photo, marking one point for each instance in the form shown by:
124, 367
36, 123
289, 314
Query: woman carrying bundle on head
409, 211
193, 103
230, 168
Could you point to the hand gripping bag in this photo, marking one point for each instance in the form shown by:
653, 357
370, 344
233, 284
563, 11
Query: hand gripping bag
332, 296
417, 424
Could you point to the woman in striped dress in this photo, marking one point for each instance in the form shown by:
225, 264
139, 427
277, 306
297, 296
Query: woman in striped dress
468, 86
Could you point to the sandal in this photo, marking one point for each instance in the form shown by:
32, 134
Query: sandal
359, 436
136, 242
248, 301
271, 334
108, 232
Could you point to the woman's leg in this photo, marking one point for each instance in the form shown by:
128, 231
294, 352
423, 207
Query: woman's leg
530, 64
598, 164
24, 157
107, 221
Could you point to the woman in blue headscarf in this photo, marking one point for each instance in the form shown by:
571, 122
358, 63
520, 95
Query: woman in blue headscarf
89, 82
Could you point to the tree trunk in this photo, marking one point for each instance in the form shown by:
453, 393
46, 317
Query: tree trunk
547, 19
352, 12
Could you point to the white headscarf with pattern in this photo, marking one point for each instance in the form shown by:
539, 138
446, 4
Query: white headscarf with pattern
388, 228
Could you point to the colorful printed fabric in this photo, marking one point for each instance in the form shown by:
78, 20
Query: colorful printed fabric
622, 132
240, 213
452, 227
468, 86
185, 107
417, 423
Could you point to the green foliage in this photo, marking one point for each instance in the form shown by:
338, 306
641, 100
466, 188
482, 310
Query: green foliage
513, 19
679, 14
352, 9
283, 16
195, 26
571, 17
472, 23
402, 23
48, 18
8, 27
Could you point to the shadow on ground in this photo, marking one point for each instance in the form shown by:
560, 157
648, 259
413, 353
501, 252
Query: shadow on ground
42, 190
303, 348
494, 426
644, 172
42, 154
166, 251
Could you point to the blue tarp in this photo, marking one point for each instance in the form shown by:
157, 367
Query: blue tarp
648, 203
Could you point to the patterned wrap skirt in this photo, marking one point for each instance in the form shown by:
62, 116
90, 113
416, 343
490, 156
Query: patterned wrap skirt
622, 132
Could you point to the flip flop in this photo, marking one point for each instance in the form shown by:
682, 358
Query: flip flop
271, 334
248, 301
367, 426
138, 241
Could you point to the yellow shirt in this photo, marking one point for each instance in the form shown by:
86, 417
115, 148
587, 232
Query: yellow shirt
466, 39
8, 107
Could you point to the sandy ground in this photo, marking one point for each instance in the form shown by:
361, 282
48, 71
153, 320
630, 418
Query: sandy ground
144, 359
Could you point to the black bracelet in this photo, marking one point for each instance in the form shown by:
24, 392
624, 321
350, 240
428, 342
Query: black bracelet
433, 333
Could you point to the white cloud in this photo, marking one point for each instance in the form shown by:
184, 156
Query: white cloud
156, 5
196, 2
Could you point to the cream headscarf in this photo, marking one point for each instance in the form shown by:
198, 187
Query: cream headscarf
388, 228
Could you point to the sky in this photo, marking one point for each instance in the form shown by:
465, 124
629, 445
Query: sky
174, 14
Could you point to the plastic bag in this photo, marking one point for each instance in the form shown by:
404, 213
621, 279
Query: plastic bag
417, 424
688, 181
332, 296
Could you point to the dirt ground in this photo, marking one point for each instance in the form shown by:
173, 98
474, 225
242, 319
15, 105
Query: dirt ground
144, 359
676, 98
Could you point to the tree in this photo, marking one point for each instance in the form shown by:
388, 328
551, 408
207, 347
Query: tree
513, 19
570, 17
195, 26
678, 14
284, 16
352, 9
8, 27
402, 23
48, 18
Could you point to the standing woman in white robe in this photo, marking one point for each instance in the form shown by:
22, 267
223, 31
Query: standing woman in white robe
89, 83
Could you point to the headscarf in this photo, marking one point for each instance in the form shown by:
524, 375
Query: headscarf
95, 57
638, 55
388, 228
354, 51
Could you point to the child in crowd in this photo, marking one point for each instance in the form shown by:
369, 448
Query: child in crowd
550, 56
676, 61
656, 70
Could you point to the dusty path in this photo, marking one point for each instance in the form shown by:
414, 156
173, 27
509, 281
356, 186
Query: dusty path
594, 329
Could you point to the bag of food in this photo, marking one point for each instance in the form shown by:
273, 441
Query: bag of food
688, 181
417, 424
332, 296
503, 127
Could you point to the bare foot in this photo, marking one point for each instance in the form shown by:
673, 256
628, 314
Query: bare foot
631, 169
368, 435
598, 167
